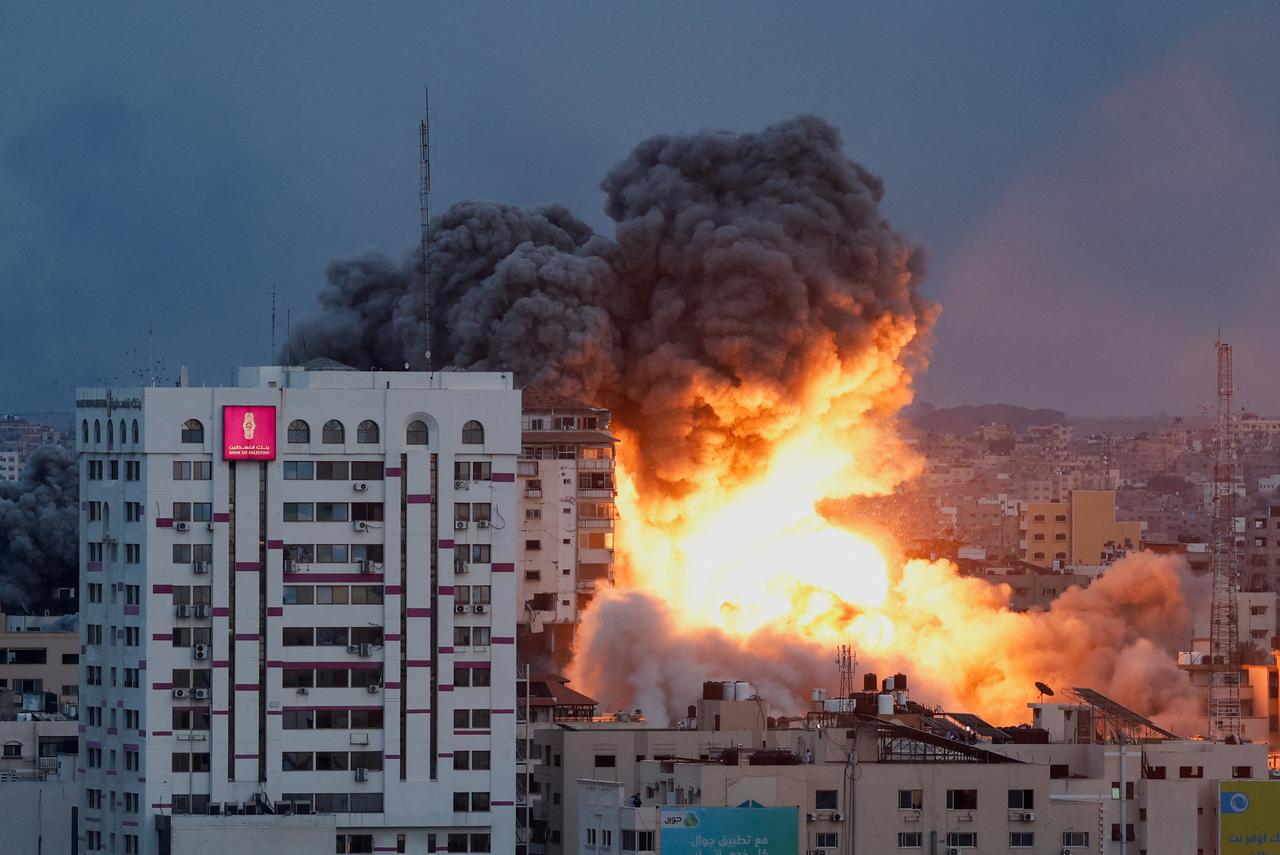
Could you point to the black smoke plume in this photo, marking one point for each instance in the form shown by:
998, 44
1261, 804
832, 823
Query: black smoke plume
737, 259
39, 529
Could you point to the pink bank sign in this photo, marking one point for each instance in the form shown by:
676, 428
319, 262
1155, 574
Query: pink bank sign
248, 433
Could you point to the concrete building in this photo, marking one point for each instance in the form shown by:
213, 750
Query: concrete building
298, 596
1081, 531
566, 518
38, 654
39, 791
1086, 776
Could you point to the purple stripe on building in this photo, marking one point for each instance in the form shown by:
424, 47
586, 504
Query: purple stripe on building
82, 728
246, 636
142, 664
337, 707
419, 663
471, 733
131, 746
161, 805
419, 499
221, 611
131, 610
446, 754
93, 566
503, 477
504, 639
164, 522
162, 589
501, 804
162, 733
222, 663
111, 731
275, 712
96, 820
275, 663
224, 516
354, 666
246, 756
92, 743
445, 687
391, 472
446, 543
247, 687
391, 636
446, 649
197, 708
419, 712
393, 756
248, 567
446, 590
162, 636
418, 612
390, 685
503, 567
221, 712
275, 611
393, 589
457, 663
504, 712
275, 544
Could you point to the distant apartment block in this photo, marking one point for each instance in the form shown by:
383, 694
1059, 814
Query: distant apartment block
566, 520
1083, 531
39, 656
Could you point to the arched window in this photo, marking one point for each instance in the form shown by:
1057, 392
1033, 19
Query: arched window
192, 431
333, 432
97, 431
367, 432
473, 433
106, 516
122, 433
135, 431
416, 433
111, 434
84, 431
299, 431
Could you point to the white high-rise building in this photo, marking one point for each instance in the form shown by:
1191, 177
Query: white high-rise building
298, 596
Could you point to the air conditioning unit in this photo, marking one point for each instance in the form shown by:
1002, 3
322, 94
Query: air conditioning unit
459, 524
837, 817
201, 611
953, 850
200, 651
479, 609
183, 737
181, 526
811, 817
179, 693
367, 566
911, 816
360, 525
353, 648
303, 690
302, 807
1066, 851
1028, 816
458, 485
359, 738
374, 688
461, 567
362, 774
182, 611
460, 610
482, 523
201, 694
200, 567
231, 808
208, 526
360, 486
365, 650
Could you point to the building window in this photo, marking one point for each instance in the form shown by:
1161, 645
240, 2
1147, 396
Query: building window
192, 431
111, 434
473, 433
910, 840
135, 431
910, 799
1075, 838
97, 432
962, 839
299, 431
333, 433
84, 431
12, 750
827, 840
533, 545
1241, 771
826, 799
1022, 840
962, 800
1022, 799
367, 432
416, 433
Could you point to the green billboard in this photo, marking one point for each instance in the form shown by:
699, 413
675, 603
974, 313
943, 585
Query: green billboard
729, 830
1249, 818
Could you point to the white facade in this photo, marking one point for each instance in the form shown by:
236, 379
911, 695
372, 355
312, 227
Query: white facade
10, 465
301, 633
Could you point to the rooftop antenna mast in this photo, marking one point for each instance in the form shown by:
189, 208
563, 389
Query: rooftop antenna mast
846, 659
424, 204
1224, 668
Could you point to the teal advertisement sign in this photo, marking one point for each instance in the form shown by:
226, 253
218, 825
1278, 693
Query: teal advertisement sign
729, 831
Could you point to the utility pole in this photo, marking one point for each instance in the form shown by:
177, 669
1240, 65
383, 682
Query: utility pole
1224, 668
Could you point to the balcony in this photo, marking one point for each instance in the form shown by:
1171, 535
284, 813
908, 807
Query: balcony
605, 464
606, 524
586, 493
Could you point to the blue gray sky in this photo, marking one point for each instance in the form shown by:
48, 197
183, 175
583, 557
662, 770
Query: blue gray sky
1098, 184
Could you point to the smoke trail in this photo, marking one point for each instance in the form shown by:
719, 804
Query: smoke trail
39, 529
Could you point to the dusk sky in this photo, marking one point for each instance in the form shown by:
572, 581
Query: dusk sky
1098, 185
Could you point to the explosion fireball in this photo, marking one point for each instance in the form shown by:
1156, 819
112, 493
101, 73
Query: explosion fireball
754, 326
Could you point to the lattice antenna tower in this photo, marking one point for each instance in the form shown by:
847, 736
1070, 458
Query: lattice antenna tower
424, 205
1224, 675
846, 660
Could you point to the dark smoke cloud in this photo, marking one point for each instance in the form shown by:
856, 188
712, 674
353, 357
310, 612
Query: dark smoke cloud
39, 529
737, 260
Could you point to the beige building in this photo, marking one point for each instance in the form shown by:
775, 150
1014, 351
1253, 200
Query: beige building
38, 654
1082, 531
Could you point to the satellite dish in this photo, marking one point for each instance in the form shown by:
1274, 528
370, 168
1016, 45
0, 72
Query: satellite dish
1044, 689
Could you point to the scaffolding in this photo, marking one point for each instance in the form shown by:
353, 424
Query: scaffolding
1224, 664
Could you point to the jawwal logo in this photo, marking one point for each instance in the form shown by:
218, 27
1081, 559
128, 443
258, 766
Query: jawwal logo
248, 433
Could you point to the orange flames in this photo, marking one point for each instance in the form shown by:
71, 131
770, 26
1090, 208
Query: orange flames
745, 556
